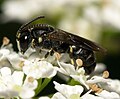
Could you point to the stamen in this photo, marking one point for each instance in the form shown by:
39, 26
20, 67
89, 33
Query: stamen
79, 62
57, 55
21, 64
5, 41
105, 74
31, 79
95, 88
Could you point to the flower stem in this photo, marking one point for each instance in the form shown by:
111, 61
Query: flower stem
73, 82
42, 83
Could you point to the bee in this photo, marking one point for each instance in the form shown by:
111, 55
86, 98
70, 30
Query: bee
44, 36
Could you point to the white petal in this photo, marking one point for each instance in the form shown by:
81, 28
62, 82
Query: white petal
58, 96
81, 79
97, 79
18, 77
80, 71
30, 84
8, 94
113, 85
3, 87
108, 95
66, 69
39, 69
90, 96
4, 52
27, 94
109, 13
5, 71
44, 97
15, 60
46, 70
67, 90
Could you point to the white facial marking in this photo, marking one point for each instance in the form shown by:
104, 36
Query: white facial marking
39, 39
18, 45
25, 37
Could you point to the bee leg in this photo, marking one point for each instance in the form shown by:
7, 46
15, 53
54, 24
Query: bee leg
50, 52
75, 59
40, 50
90, 63
71, 55
46, 55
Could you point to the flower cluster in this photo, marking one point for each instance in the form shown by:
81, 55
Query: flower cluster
25, 76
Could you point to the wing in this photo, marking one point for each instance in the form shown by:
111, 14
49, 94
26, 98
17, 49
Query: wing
63, 36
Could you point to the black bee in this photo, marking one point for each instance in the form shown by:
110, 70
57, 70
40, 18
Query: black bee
44, 36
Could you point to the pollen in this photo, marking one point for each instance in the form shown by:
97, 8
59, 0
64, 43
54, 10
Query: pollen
31, 79
105, 74
5, 41
95, 88
79, 62
21, 64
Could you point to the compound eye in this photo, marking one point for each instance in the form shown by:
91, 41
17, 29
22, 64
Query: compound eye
25, 41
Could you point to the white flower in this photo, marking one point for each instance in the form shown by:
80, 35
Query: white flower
80, 78
67, 91
8, 82
3, 53
90, 96
15, 60
82, 27
113, 85
108, 95
28, 87
66, 69
13, 9
97, 79
74, 92
111, 11
107, 84
58, 95
9, 58
76, 74
12, 85
39, 69
4, 62
44, 97
92, 13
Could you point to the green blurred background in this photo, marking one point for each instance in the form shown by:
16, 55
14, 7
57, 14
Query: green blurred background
97, 20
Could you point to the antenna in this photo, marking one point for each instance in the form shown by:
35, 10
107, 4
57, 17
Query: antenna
26, 24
